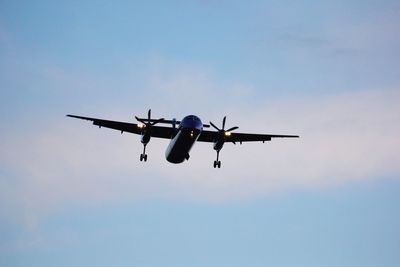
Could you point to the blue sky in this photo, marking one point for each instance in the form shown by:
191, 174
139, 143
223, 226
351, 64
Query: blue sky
71, 194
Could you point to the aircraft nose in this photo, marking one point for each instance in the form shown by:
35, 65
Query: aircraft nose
192, 122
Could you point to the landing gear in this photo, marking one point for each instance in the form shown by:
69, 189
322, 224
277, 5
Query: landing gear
144, 127
143, 156
222, 136
217, 163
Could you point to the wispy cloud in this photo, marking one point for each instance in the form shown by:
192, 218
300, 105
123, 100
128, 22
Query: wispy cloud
347, 137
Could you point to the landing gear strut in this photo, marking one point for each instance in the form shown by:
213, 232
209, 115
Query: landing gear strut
217, 163
144, 155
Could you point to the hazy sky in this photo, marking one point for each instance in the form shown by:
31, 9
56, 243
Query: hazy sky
74, 195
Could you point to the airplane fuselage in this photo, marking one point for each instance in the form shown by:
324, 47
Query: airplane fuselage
184, 138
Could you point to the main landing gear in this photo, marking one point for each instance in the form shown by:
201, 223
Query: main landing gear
217, 163
143, 156
144, 127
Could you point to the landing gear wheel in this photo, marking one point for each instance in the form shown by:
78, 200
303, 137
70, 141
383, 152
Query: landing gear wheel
217, 164
143, 157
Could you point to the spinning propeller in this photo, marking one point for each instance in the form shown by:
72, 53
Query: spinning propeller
149, 122
222, 131
219, 143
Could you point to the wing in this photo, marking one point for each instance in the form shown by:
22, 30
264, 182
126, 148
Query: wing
210, 136
156, 131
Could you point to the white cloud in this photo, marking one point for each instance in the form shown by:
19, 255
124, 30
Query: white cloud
348, 137
60, 161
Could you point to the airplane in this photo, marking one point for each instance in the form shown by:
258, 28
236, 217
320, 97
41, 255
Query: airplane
183, 134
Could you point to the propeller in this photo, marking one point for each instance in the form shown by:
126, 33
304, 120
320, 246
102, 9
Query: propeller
149, 122
223, 131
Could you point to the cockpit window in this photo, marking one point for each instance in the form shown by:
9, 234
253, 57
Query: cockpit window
192, 117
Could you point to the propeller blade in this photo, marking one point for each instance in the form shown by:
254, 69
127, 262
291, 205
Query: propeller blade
212, 124
223, 123
149, 115
157, 121
140, 120
232, 129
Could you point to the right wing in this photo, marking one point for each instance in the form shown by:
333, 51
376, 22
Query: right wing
156, 131
212, 136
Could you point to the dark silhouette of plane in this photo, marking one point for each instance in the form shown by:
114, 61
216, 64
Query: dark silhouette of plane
183, 134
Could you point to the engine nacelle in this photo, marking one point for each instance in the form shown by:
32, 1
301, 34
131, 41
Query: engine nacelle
218, 145
145, 137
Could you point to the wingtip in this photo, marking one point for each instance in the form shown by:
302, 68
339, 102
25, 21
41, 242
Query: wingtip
76, 117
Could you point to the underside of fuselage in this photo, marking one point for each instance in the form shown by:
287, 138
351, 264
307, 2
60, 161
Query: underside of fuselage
182, 142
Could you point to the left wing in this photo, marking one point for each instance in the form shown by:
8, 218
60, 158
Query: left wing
209, 136
156, 131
